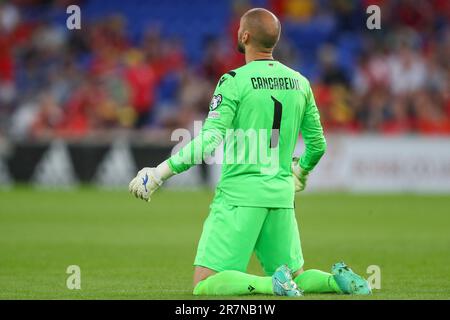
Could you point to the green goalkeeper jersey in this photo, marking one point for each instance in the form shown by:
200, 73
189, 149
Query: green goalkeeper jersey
257, 113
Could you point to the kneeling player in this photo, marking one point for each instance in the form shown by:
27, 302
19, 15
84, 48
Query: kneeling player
253, 209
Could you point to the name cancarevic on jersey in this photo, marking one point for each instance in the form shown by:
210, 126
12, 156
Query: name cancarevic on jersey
275, 83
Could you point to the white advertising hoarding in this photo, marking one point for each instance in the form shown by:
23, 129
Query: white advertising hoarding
384, 164
378, 164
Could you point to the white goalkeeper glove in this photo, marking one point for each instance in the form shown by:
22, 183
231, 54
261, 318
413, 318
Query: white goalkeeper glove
148, 180
300, 176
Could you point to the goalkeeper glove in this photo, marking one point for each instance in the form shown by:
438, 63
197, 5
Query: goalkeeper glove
300, 176
148, 180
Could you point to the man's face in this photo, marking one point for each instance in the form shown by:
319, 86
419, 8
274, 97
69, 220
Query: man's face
240, 44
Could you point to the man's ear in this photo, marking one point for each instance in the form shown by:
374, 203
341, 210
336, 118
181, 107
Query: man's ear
245, 37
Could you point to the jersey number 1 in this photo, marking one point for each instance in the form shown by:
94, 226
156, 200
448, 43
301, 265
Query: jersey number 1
277, 112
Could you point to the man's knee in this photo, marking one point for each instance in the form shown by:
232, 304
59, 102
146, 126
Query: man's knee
201, 273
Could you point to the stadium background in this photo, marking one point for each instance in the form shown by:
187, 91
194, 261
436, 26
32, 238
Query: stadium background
82, 109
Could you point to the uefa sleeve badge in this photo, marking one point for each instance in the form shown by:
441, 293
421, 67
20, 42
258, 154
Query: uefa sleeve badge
215, 102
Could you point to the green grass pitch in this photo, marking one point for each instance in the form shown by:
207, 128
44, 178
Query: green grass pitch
129, 249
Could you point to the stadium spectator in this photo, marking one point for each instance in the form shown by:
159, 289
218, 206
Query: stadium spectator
141, 79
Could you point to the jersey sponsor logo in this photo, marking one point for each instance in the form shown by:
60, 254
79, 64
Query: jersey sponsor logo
215, 102
285, 83
213, 115
251, 288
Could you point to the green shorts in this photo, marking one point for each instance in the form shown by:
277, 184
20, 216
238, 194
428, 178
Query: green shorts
231, 234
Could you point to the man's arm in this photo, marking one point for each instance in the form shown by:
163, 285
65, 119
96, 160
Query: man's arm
220, 117
312, 133
222, 111
314, 139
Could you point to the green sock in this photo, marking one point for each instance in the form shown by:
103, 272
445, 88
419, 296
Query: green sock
316, 281
230, 283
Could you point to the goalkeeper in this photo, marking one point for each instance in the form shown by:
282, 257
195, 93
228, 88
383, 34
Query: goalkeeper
253, 207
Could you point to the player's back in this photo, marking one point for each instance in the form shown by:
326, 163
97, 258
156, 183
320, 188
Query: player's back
258, 150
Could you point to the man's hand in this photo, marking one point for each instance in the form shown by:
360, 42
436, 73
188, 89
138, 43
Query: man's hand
300, 176
147, 181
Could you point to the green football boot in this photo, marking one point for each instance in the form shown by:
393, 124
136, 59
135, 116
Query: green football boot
348, 281
283, 285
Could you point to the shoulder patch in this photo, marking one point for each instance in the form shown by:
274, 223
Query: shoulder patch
215, 102
231, 73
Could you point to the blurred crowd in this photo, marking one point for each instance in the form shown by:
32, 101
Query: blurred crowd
56, 82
